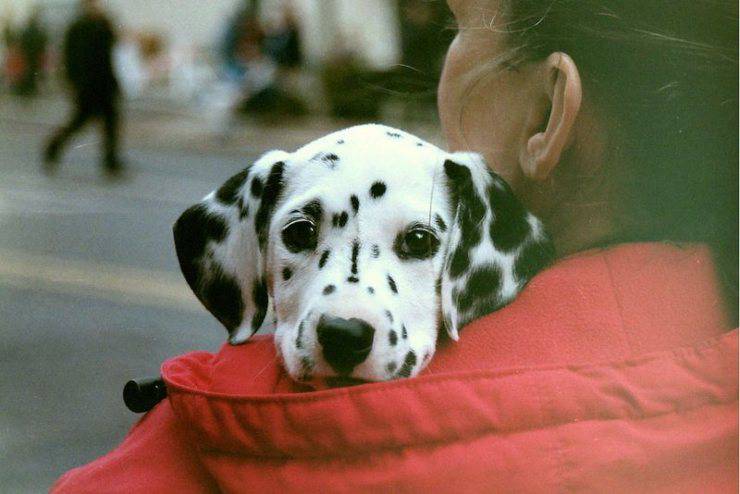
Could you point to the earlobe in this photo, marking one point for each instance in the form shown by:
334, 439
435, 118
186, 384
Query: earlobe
543, 149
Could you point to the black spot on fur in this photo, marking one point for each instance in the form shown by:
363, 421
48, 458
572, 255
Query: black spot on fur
481, 291
408, 364
459, 262
324, 257
222, 296
440, 223
306, 369
392, 338
392, 284
355, 253
340, 141
314, 210
328, 289
395, 135
328, 159
377, 190
353, 279
533, 258
270, 196
259, 296
510, 227
256, 187
339, 220
375, 251
404, 332
355, 201
287, 273
343, 217
419, 144
391, 367
371, 290
389, 315
470, 213
299, 336
243, 208
192, 232
228, 193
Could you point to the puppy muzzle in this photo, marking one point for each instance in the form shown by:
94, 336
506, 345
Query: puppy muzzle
345, 343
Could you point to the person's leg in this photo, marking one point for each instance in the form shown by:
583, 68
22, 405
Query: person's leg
80, 116
110, 116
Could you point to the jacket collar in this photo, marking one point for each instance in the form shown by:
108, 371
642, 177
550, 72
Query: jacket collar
632, 303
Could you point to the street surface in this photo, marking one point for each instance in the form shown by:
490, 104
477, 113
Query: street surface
90, 291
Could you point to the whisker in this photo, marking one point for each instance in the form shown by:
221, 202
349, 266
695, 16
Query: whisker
268, 364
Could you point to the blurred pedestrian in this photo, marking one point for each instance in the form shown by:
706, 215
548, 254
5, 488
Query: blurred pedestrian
273, 83
32, 44
241, 43
8, 32
88, 46
283, 40
12, 68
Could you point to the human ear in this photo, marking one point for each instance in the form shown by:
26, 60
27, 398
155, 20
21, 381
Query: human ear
562, 90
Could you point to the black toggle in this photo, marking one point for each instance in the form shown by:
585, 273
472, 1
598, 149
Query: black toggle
141, 395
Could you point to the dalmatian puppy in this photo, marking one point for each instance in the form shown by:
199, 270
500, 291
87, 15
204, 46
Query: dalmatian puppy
359, 247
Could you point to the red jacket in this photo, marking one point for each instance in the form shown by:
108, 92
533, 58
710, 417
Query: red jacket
613, 371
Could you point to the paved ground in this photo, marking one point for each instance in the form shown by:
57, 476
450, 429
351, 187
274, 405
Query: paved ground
90, 291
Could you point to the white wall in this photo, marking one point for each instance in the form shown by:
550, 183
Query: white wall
17, 9
198, 22
368, 28
372, 26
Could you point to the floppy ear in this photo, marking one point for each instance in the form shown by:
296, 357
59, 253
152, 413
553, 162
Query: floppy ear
220, 244
495, 246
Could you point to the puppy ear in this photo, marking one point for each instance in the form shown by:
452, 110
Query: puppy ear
495, 246
220, 243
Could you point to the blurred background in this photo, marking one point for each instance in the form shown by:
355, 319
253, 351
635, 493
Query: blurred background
90, 290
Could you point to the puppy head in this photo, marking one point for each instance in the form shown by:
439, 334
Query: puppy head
359, 242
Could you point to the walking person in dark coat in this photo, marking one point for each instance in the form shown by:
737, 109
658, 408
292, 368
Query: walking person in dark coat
89, 70
32, 42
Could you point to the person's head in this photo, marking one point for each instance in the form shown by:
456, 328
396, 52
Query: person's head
36, 15
90, 7
612, 120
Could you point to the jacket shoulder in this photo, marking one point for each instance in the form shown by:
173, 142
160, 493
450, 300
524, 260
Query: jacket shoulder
154, 457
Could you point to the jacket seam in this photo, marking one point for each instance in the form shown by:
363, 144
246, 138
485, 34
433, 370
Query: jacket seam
715, 347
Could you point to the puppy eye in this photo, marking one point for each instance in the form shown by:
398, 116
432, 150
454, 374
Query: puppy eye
299, 235
419, 243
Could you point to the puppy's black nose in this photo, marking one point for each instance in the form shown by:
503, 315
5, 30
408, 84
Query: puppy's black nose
346, 342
